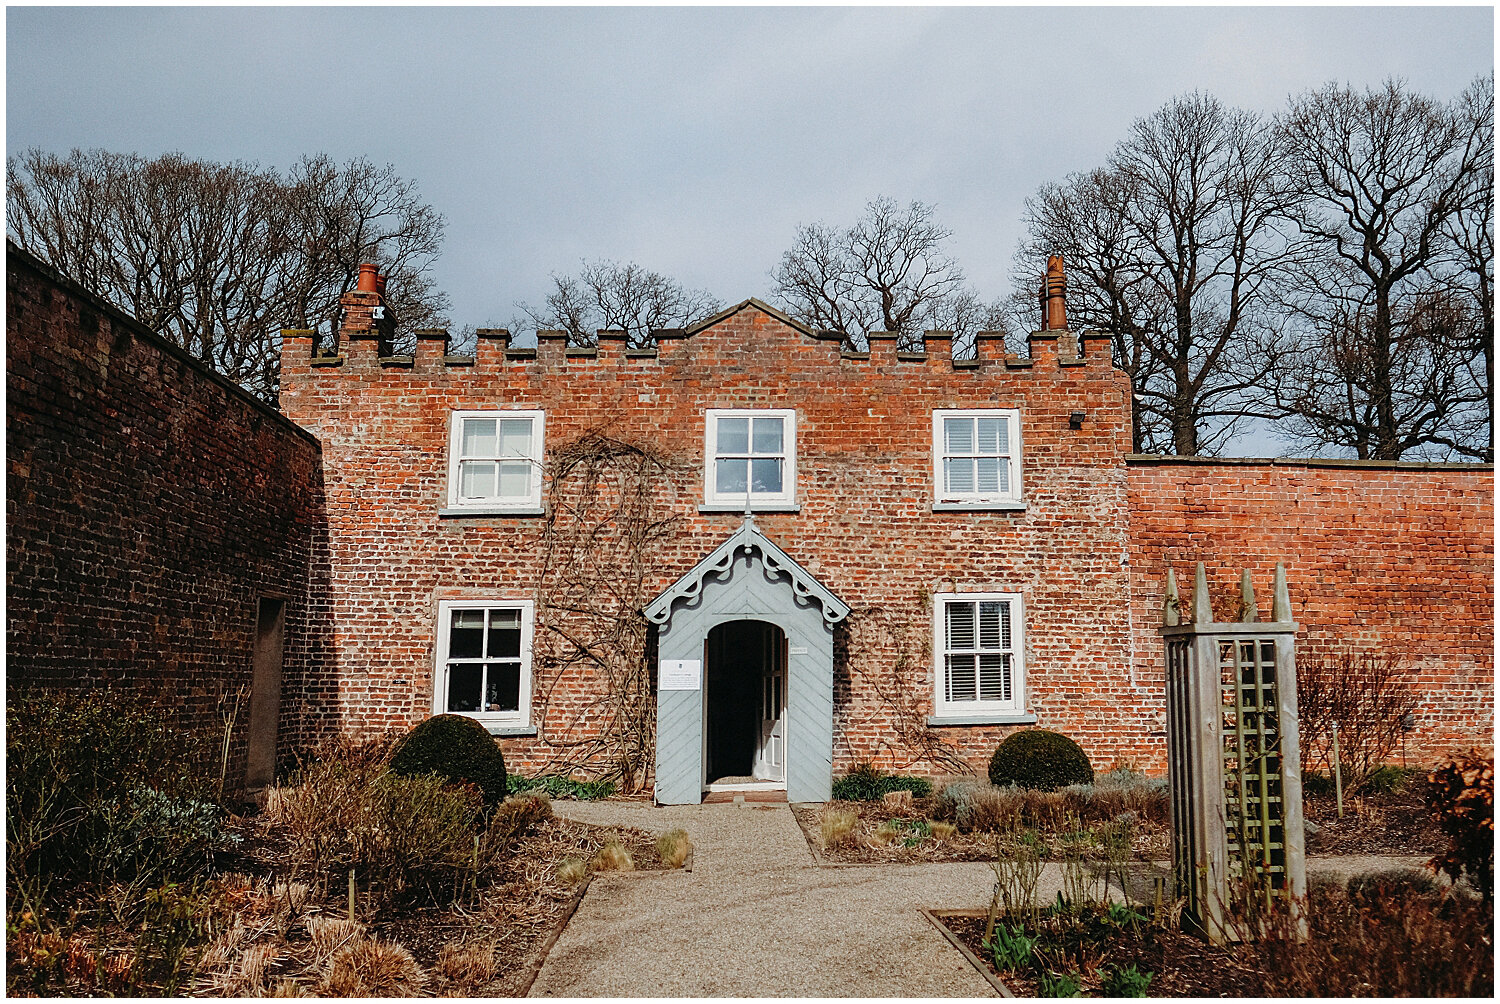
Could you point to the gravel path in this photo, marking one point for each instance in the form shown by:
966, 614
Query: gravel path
758, 917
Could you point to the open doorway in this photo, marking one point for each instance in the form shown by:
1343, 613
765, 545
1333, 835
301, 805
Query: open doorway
745, 706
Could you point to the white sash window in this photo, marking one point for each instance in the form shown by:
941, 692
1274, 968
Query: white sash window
495, 460
976, 457
484, 661
979, 649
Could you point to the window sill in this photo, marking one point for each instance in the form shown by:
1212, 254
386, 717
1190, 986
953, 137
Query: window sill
509, 731
490, 510
993, 718
754, 507
979, 507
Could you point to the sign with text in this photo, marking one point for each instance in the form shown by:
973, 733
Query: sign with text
680, 674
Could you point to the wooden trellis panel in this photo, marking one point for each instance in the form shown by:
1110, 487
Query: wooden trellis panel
1233, 759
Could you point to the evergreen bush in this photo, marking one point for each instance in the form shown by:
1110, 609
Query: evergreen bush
456, 748
1040, 760
867, 783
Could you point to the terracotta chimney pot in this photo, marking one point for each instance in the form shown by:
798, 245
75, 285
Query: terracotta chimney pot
380, 285
1055, 309
369, 279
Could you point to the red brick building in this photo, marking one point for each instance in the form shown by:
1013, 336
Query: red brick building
942, 550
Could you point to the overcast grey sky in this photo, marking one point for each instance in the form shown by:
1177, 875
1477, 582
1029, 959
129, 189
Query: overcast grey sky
690, 140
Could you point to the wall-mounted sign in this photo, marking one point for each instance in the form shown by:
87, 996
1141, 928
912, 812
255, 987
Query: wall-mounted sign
680, 674
796, 650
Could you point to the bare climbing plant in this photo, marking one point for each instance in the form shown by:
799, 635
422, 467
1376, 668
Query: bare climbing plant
894, 667
613, 507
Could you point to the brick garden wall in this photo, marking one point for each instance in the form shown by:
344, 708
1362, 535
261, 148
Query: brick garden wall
1379, 558
866, 528
149, 505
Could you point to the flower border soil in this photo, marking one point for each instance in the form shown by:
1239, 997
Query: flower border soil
1234, 969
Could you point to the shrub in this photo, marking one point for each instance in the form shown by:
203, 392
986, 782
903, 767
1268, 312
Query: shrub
1392, 883
456, 748
104, 788
1461, 795
867, 783
973, 806
562, 787
421, 834
407, 835
514, 818
673, 848
572, 871
1388, 778
1367, 695
1383, 943
978, 807
467, 965
1040, 759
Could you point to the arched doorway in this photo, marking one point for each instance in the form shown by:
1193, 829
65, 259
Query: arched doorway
745, 706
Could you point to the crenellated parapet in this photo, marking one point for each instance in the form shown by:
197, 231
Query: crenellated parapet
367, 330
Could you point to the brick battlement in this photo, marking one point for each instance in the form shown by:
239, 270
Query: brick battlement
496, 348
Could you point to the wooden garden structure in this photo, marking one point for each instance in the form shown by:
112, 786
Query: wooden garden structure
1234, 764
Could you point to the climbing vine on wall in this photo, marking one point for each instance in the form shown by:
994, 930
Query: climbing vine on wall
613, 507
892, 663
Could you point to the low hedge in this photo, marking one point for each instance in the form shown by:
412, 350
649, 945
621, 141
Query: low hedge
867, 783
563, 787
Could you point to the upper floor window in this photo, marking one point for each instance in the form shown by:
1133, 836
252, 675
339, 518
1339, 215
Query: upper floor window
751, 457
979, 650
484, 661
977, 457
495, 459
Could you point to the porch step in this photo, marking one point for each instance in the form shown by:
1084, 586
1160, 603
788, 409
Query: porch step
717, 797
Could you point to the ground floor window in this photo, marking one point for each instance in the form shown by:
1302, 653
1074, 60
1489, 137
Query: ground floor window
484, 660
978, 648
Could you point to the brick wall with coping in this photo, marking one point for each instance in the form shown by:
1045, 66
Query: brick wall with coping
1380, 557
150, 504
865, 528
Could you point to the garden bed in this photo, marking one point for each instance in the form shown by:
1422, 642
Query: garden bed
489, 945
884, 834
1181, 964
1390, 822
1389, 934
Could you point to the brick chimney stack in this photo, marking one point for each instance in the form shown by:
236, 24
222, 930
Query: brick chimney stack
1054, 305
365, 314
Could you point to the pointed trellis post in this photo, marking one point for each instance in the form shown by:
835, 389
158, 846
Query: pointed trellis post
1234, 763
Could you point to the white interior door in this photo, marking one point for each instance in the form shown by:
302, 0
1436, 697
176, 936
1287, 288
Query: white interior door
770, 758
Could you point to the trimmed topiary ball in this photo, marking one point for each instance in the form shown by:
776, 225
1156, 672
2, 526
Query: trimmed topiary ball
1041, 760
457, 748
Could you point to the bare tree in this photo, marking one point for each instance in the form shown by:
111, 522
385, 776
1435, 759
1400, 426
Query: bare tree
1389, 194
1173, 248
219, 257
1470, 283
347, 214
621, 296
887, 272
